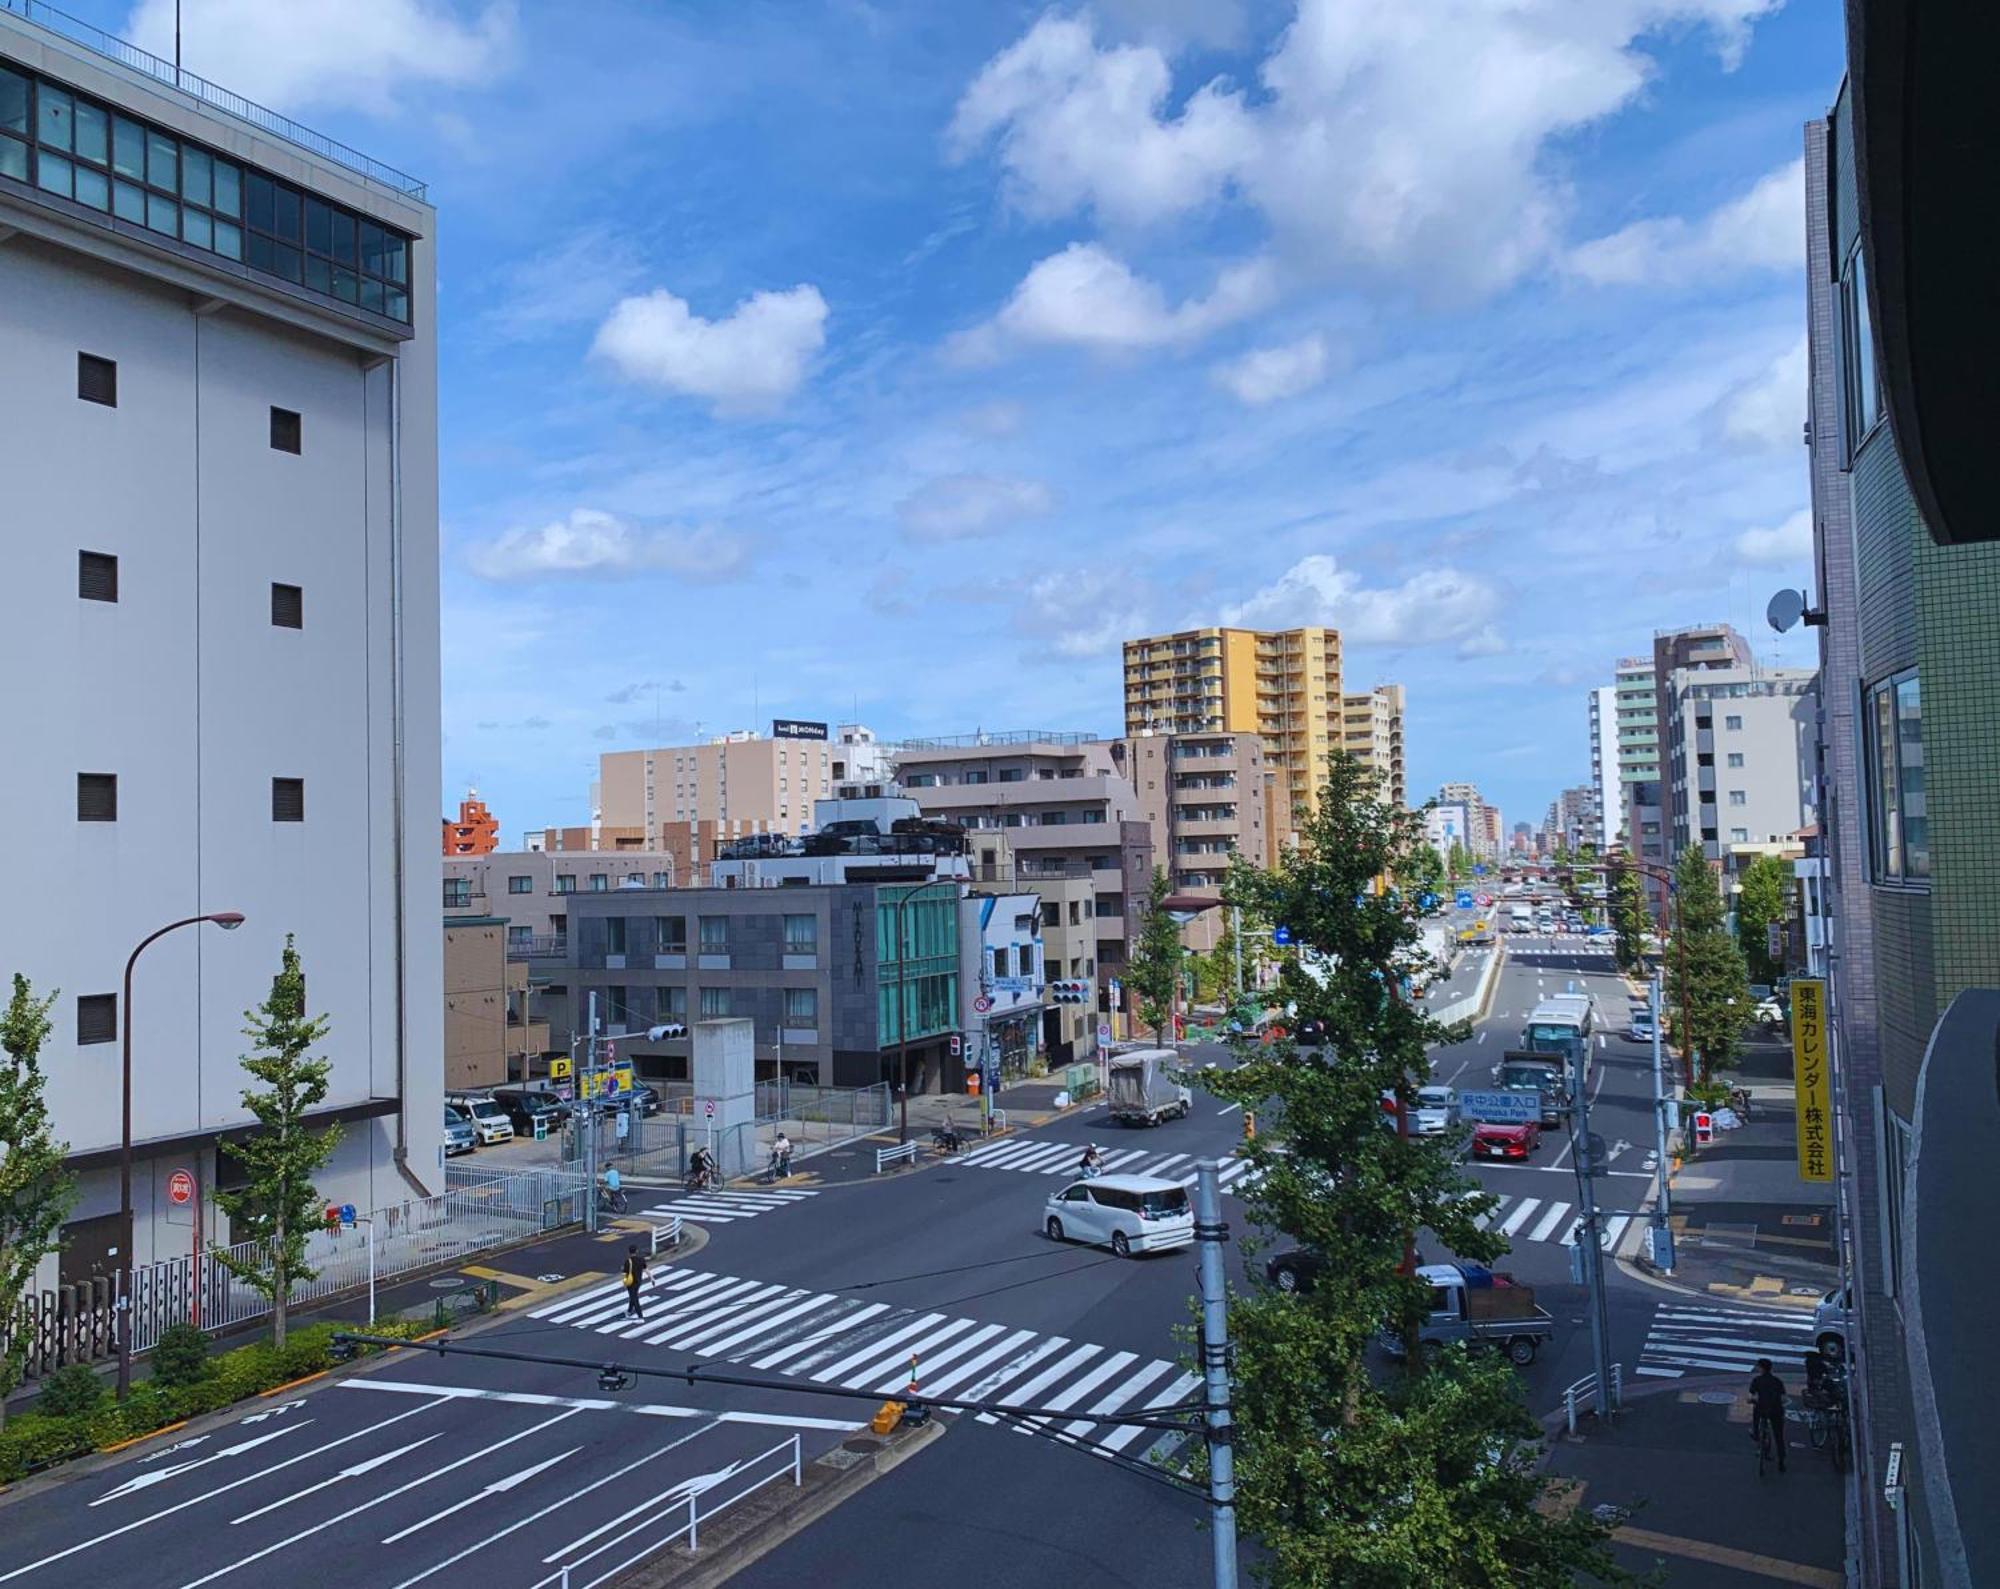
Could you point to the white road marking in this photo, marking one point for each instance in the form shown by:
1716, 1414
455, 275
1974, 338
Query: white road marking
594, 1404
965, 1370
882, 1363
876, 1347
497, 1487
1520, 1215
776, 1321
1024, 1394
1119, 1439
145, 1481
833, 1331
1124, 1393
353, 1472
1229, 1110
931, 1360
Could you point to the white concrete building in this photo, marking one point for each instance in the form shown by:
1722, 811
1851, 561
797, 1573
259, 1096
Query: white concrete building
1607, 794
1001, 980
218, 535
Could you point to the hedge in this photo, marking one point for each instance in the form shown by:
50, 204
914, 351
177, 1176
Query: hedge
36, 1440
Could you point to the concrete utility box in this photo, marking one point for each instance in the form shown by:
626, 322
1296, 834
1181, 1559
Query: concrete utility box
723, 1062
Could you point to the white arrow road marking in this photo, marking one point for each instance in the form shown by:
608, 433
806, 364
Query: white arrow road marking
272, 1412
1482, 1036
680, 1492
353, 1472
387, 1495
179, 1445
181, 1506
1618, 1147
143, 1481
497, 1487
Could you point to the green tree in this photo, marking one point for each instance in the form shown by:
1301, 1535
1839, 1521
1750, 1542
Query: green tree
1459, 863
278, 1205
1156, 961
1767, 885
1344, 1476
1423, 873
1626, 900
1717, 989
35, 1192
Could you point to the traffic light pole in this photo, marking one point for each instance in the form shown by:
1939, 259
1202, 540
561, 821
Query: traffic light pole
1209, 1234
587, 1114
1588, 1248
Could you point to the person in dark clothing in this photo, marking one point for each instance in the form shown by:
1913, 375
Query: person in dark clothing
1767, 1407
635, 1277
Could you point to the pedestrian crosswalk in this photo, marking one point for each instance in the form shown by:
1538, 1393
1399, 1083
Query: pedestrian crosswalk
721, 1208
1551, 1219
830, 1339
1721, 1337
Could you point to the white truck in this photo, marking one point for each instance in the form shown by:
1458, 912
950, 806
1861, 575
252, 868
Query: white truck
1141, 1089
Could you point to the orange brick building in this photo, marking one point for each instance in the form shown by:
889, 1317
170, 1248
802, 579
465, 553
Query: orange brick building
477, 830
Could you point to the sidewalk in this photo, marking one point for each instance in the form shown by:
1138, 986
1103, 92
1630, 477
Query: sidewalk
1679, 1465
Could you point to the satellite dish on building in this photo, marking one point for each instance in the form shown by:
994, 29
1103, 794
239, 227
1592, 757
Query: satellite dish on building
1785, 609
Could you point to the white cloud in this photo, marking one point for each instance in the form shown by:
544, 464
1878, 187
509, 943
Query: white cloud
998, 419
748, 363
1763, 229
1405, 144
1434, 606
1081, 612
960, 507
1089, 298
593, 544
328, 52
1781, 544
1269, 375
1770, 411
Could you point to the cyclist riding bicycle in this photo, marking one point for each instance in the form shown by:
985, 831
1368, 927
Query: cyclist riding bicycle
1767, 1408
701, 1167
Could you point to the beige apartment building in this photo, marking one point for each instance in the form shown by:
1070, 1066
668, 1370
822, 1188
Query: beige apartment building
1207, 797
743, 782
1372, 733
688, 846
1283, 685
490, 1037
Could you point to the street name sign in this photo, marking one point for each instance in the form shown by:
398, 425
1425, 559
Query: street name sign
1501, 1108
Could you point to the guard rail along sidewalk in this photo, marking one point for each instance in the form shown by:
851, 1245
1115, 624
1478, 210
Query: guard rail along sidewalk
884, 1157
1582, 1396
667, 1235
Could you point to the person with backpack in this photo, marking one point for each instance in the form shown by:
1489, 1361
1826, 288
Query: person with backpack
635, 1277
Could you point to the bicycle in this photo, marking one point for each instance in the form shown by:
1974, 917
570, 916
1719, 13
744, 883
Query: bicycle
610, 1202
1766, 1448
708, 1180
1826, 1424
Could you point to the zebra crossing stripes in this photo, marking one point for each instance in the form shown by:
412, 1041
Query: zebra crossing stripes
1549, 1220
827, 1339
720, 1208
1722, 1338
1039, 1156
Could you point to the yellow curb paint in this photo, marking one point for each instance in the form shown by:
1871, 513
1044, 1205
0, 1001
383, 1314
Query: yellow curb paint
485, 1273
303, 1379
1737, 1560
150, 1434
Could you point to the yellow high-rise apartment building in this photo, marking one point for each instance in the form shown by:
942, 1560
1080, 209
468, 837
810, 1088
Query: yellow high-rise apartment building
1282, 685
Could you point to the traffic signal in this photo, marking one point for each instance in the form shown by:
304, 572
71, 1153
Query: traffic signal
1069, 992
886, 1418
1704, 1128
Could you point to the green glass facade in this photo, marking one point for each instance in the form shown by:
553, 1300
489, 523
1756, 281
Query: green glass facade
916, 949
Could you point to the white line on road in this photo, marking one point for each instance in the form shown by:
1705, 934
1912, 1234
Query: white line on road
1230, 1110
882, 1364
1125, 1435
1520, 1215
1025, 1394
353, 1472
497, 1487
145, 1481
876, 1347
832, 1332
965, 1370
596, 1404
1548, 1222
1482, 1034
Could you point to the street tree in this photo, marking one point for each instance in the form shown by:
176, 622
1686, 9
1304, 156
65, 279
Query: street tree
1345, 1476
1766, 884
1459, 864
1626, 899
1154, 965
277, 1206
1423, 872
1717, 992
36, 1193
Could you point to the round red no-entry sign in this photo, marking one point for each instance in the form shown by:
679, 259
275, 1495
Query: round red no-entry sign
180, 1187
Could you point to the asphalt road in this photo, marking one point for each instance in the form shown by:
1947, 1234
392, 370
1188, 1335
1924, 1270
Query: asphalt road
456, 1466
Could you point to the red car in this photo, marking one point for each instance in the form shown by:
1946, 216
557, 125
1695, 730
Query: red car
1505, 1142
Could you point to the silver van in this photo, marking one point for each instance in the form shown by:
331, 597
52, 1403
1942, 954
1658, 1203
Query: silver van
487, 1117
1127, 1213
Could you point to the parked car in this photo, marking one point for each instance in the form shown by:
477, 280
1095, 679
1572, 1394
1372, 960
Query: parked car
1491, 1141
1831, 1324
459, 1136
525, 1105
1296, 1269
1437, 1108
488, 1119
1127, 1213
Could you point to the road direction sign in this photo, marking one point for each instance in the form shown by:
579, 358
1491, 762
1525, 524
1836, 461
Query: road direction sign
180, 1188
1465, 899
1501, 1108
708, 1108
1281, 936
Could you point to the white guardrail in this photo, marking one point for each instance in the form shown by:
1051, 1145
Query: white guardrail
667, 1235
884, 1157
1582, 1396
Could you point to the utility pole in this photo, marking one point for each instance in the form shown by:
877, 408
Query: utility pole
1586, 1238
587, 1103
1663, 1247
1236, 938
1209, 1234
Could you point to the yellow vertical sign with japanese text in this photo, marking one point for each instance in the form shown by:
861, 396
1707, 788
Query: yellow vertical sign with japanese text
1811, 1087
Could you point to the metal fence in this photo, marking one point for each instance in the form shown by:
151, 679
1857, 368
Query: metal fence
816, 1119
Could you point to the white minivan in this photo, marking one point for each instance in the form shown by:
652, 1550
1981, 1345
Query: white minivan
489, 1120
1127, 1213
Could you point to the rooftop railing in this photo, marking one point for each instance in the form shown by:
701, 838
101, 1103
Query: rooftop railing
216, 98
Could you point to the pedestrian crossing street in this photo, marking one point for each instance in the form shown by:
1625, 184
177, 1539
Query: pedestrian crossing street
721, 1208
836, 1340
1518, 1218
1720, 1337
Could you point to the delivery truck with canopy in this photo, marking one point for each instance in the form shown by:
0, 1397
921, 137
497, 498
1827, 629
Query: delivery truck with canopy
1141, 1089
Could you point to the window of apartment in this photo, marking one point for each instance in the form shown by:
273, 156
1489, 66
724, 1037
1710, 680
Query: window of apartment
288, 606
1000, 962
618, 1005
97, 380
614, 935
1732, 722
1898, 830
288, 799
662, 879
520, 885
457, 893
565, 882
802, 1007
975, 777
599, 882
671, 934
97, 1018
1738, 835
1013, 775
96, 576
1860, 389
801, 935
520, 937
287, 431
714, 1004
97, 797
670, 1003
1737, 797
714, 934
1736, 758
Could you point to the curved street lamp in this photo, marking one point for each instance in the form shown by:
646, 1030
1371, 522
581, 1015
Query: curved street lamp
228, 921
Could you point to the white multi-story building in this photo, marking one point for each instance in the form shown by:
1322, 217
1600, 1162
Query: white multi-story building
1607, 794
218, 536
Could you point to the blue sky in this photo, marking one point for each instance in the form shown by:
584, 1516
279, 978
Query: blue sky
885, 358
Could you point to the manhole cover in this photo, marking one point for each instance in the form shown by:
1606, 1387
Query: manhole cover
448, 1283
841, 1458
547, 1280
862, 1445
1718, 1398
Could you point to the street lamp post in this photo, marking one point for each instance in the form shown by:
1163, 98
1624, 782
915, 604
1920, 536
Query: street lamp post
902, 1016
228, 921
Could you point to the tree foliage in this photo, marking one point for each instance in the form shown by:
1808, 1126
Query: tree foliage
1346, 1475
1155, 963
1767, 886
1717, 981
1625, 898
278, 1205
36, 1193
1459, 862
